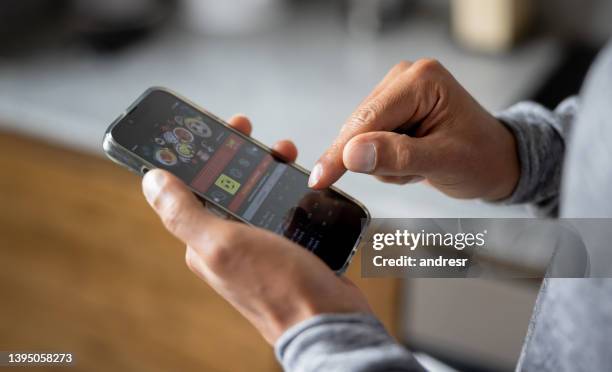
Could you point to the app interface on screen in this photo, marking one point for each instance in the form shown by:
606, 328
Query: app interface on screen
239, 175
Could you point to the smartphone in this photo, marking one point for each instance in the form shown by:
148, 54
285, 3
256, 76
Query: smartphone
235, 175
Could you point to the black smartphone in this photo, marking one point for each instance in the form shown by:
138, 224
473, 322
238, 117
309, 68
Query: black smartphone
235, 175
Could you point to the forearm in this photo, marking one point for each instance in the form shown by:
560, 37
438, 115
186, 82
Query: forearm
342, 342
540, 136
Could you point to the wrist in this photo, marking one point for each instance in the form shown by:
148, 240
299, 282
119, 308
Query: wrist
507, 164
302, 308
279, 318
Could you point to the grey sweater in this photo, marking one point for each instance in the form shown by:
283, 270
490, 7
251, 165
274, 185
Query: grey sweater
566, 170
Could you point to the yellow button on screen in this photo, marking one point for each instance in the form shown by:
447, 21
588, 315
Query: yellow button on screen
228, 184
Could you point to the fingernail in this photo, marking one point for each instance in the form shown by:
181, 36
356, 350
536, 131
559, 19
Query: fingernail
152, 185
315, 176
362, 157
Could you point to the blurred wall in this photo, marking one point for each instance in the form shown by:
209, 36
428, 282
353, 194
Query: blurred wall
584, 20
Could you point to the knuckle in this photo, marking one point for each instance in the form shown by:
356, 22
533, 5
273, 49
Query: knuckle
189, 259
194, 263
401, 66
223, 251
427, 66
158, 199
217, 257
365, 115
333, 155
172, 215
403, 157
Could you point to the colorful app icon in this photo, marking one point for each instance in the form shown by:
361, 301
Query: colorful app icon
228, 184
185, 149
183, 134
169, 137
198, 127
166, 157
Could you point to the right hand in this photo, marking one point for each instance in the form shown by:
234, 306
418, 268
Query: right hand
454, 143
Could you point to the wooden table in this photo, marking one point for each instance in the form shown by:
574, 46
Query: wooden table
86, 267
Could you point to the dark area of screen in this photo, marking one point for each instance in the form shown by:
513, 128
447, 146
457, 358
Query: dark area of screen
240, 176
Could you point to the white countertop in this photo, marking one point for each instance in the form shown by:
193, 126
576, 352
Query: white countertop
299, 82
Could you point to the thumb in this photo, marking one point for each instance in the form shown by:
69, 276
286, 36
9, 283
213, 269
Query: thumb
388, 154
180, 211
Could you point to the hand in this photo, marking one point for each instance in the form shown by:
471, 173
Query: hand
453, 143
272, 281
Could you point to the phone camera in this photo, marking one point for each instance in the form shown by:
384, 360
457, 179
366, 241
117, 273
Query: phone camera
144, 170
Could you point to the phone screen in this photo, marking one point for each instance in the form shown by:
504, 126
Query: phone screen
241, 177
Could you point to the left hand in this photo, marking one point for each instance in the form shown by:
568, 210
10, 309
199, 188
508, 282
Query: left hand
272, 281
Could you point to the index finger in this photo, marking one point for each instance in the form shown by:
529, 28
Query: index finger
388, 107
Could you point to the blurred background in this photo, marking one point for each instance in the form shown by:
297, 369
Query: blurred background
86, 266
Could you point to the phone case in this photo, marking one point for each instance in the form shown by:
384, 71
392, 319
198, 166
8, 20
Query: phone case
138, 165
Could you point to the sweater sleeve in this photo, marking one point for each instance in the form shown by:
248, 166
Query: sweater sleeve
540, 135
342, 342
359, 342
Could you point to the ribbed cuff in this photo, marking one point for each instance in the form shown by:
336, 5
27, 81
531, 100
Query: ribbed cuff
540, 148
321, 320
